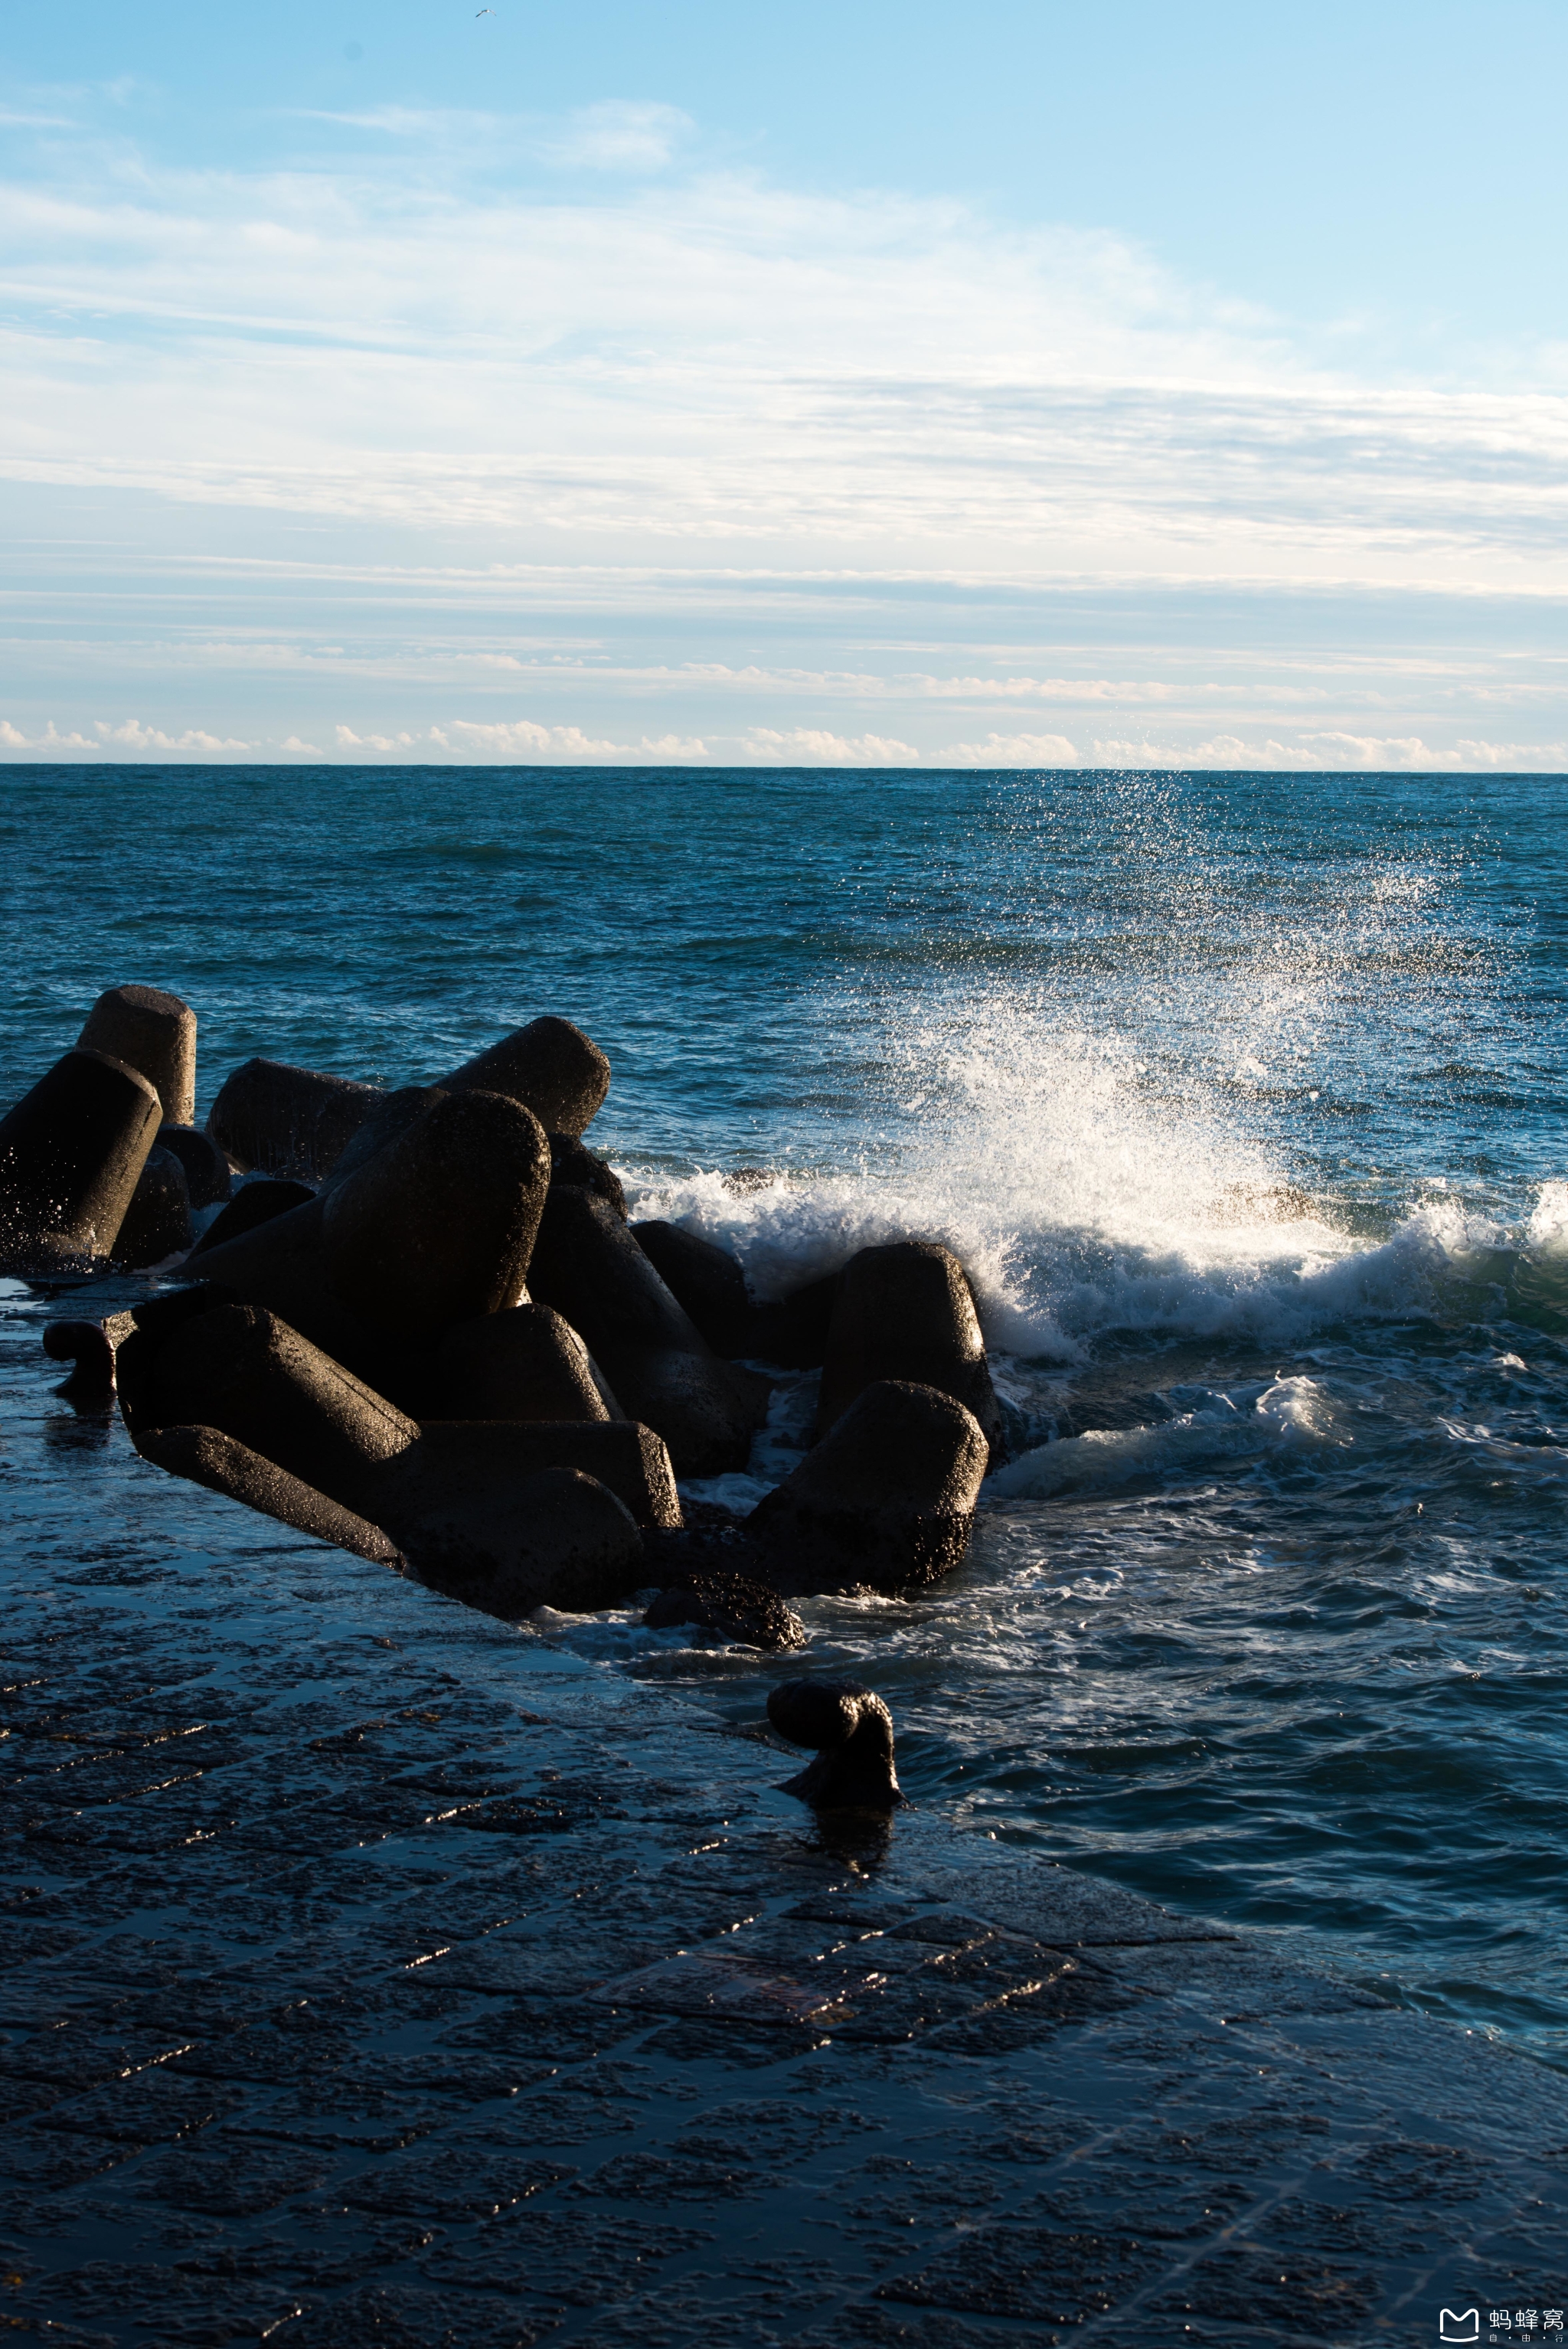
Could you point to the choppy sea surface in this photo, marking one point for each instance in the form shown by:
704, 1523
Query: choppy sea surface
1242, 1099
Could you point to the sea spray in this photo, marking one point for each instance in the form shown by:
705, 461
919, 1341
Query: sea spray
1083, 1212
1219, 1084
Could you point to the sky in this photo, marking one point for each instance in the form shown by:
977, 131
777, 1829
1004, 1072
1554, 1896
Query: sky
1001, 385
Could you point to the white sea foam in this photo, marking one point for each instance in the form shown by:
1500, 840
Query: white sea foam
1293, 1409
1116, 1455
1548, 1233
1299, 1409
1083, 1196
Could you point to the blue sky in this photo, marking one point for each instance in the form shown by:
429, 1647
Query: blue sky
1005, 385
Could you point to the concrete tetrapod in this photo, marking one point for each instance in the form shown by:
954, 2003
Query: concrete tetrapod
737, 1609
574, 1545
470, 1504
153, 1032
793, 1330
588, 1266
87, 1346
280, 1265
483, 1460
136, 1339
886, 1500
852, 1729
71, 1154
157, 1224
434, 1230
207, 1174
280, 1119
906, 1312
550, 1066
705, 1281
388, 1121
285, 1121
524, 1363
559, 1537
441, 1224
206, 1456
572, 1161
256, 1202
240, 1369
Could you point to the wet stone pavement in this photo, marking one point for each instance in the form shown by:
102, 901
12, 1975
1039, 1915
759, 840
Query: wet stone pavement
372, 1973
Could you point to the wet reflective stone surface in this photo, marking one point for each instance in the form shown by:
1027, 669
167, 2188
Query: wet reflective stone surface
372, 1971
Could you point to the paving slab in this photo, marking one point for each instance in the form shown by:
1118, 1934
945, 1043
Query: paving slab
371, 1971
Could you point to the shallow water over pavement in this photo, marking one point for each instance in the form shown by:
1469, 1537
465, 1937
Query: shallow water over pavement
1242, 1099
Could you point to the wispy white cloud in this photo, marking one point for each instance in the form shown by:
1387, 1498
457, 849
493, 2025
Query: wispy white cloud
132, 734
719, 359
527, 742
129, 737
627, 136
1523, 758
1015, 750
564, 745
429, 123
814, 746
621, 134
638, 408
347, 739
1333, 751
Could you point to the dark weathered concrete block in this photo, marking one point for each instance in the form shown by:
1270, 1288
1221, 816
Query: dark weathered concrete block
88, 1347
565, 1540
851, 1729
506, 1516
434, 1228
906, 1312
157, 1224
390, 1119
525, 1363
137, 1337
550, 1066
572, 1161
153, 1032
241, 1371
439, 1225
793, 1330
705, 1281
208, 1457
207, 1174
887, 1499
71, 1153
253, 1203
481, 1462
281, 1266
589, 1267
286, 1120
735, 1607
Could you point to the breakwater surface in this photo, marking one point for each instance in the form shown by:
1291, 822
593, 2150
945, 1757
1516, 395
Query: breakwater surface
1241, 1097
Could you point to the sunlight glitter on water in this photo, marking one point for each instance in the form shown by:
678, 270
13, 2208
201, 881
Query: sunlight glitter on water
1241, 1097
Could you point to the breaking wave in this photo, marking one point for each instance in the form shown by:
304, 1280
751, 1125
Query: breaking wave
1293, 1409
1085, 1197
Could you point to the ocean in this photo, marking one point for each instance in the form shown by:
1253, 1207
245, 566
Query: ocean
1242, 1098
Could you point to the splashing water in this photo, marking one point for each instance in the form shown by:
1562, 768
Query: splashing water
1084, 1201
1241, 1099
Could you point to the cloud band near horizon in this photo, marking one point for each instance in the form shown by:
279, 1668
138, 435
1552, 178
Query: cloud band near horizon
649, 461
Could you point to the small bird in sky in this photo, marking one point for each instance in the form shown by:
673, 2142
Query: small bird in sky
482, 11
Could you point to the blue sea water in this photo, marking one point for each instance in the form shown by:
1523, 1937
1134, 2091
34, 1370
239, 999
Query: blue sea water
1242, 1097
